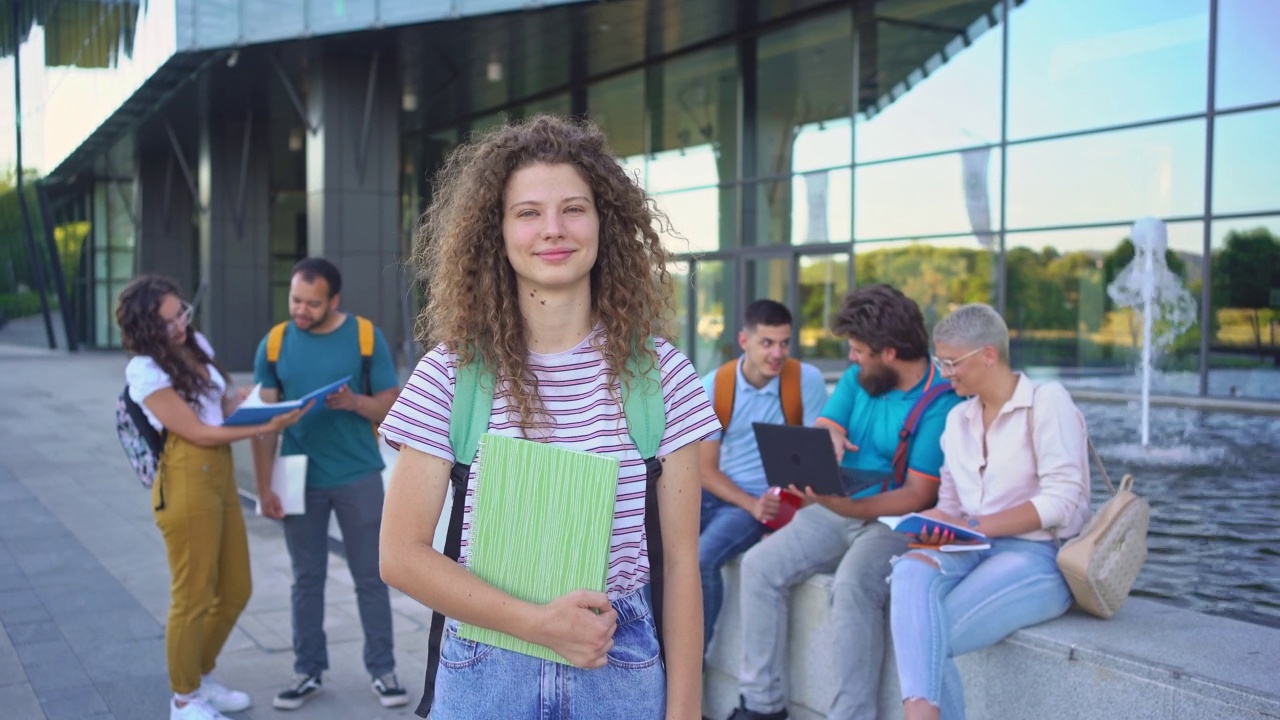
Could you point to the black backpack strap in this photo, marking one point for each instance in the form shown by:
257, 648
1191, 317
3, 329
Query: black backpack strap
452, 549
653, 538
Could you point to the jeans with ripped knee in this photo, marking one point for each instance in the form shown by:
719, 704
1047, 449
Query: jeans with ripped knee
969, 601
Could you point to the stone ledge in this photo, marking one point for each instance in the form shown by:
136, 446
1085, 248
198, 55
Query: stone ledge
1151, 661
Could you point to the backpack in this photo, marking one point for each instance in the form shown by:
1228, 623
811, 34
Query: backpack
142, 443
364, 326
645, 413
900, 453
1101, 564
789, 391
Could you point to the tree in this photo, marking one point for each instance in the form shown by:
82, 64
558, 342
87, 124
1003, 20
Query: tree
1245, 273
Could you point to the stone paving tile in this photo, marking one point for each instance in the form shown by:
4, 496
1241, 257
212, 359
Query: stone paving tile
20, 703
33, 633
52, 666
72, 703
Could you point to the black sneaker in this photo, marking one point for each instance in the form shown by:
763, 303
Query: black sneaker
389, 692
742, 713
302, 689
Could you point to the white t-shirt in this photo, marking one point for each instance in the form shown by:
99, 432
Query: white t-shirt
574, 391
144, 377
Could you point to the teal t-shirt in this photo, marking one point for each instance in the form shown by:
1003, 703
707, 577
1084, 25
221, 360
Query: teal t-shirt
873, 424
340, 445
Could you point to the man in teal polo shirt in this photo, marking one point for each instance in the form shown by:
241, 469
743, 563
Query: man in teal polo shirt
344, 471
889, 349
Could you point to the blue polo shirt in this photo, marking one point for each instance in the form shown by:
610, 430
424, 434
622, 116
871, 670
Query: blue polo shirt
739, 454
873, 424
340, 445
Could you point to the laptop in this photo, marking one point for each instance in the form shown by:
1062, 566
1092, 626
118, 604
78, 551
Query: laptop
803, 456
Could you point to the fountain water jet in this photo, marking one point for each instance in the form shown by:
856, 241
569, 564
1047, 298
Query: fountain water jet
1150, 287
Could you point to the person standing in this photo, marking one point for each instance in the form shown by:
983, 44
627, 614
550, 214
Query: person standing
319, 345
183, 393
764, 385
890, 377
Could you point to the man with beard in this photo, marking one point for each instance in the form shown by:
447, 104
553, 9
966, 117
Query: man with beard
890, 374
344, 470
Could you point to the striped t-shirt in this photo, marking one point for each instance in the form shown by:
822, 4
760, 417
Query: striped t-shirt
574, 392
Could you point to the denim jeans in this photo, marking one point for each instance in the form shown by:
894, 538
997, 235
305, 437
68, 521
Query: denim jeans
358, 506
817, 540
726, 532
481, 681
972, 600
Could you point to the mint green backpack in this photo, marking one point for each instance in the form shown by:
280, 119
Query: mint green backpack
469, 419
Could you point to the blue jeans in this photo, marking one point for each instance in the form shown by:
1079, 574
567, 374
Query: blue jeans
358, 506
726, 532
972, 600
481, 681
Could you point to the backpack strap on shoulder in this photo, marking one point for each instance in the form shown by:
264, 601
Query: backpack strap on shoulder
726, 386
364, 327
468, 419
642, 404
275, 341
899, 476
790, 391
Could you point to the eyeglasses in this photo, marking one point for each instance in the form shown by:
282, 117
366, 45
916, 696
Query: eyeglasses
947, 367
183, 318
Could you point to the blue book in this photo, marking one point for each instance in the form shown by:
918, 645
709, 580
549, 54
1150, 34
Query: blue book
915, 524
253, 411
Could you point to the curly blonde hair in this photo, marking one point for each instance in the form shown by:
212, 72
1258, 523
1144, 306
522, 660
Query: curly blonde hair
472, 306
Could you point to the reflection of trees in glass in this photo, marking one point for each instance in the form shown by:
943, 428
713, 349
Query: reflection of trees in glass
938, 278
823, 283
1246, 282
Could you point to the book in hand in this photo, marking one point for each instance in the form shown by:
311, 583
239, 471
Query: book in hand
541, 524
253, 411
965, 539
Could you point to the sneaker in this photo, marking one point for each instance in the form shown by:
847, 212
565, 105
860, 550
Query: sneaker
742, 713
303, 688
222, 698
389, 692
196, 709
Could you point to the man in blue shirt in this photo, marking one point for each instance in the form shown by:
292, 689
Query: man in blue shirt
344, 472
734, 505
889, 347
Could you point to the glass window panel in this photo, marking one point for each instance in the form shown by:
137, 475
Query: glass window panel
714, 329
617, 107
937, 274
1059, 311
768, 278
1246, 308
808, 208
119, 264
805, 77
1076, 64
694, 126
957, 193
1248, 53
904, 110
1114, 176
614, 34
1246, 162
701, 220
823, 281
686, 23
680, 279
554, 105
773, 9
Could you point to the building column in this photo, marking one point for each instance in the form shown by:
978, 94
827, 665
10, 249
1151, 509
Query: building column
353, 179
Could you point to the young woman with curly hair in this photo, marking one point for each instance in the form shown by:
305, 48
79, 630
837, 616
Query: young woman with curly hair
541, 260
172, 374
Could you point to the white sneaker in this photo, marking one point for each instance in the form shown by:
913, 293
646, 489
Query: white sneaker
196, 709
222, 698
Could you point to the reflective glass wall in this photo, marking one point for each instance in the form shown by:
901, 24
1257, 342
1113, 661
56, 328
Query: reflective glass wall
962, 150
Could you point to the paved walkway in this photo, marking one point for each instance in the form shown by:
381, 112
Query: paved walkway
84, 585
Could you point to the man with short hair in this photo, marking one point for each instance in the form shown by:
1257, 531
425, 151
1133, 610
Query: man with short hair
755, 388
890, 374
322, 344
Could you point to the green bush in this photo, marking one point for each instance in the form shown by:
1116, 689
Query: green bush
17, 305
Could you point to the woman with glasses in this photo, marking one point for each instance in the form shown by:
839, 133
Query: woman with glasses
173, 376
1016, 475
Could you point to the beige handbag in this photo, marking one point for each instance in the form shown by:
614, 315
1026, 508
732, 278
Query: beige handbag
1103, 561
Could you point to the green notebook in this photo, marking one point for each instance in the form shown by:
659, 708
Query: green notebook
541, 523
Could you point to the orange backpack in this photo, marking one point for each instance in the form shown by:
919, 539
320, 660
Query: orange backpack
789, 390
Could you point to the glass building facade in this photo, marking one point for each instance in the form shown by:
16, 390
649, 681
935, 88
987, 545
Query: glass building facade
961, 150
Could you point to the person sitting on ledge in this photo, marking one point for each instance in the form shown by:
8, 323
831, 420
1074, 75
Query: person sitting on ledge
1013, 475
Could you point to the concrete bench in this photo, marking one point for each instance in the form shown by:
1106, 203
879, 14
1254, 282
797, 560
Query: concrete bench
1151, 661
